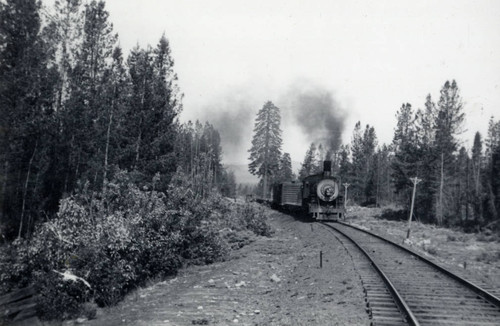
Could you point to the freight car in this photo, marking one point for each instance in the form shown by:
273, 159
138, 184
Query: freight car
317, 195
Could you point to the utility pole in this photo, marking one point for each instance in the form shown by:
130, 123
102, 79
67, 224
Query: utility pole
415, 181
346, 185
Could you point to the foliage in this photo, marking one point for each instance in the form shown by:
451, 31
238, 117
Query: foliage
72, 108
311, 164
285, 172
265, 152
118, 238
362, 175
92, 160
459, 187
26, 123
253, 219
198, 151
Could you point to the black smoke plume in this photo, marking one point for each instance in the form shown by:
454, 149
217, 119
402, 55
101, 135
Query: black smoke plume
319, 116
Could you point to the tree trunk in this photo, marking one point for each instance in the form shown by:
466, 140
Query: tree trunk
107, 151
78, 163
138, 145
377, 186
26, 191
440, 200
68, 167
137, 148
264, 184
35, 189
4, 186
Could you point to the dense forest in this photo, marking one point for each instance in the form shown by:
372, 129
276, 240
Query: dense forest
101, 187
456, 186
75, 110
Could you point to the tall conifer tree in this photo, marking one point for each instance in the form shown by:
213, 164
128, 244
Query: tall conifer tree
285, 169
448, 124
265, 152
308, 165
26, 96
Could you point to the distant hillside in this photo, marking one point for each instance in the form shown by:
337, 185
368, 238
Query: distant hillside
243, 176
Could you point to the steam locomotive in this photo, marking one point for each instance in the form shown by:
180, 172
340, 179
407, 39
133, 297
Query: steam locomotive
318, 195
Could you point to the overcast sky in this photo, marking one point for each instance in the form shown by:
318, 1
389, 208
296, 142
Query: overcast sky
368, 56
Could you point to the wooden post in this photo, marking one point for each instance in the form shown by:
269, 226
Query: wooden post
415, 182
346, 185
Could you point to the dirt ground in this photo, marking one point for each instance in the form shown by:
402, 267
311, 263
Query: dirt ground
473, 256
272, 281
278, 280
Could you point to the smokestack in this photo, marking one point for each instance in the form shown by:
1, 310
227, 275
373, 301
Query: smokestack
327, 168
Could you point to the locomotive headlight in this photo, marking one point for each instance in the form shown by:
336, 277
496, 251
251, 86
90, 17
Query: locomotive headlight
327, 190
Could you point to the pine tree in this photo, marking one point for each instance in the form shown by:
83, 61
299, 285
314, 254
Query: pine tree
65, 31
116, 88
477, 167
159, 130
154, 104
493, 137
26, 97
448, 124
285, 172
406, 154
345, 165
462, 188
85, 117
356, 188
308, 166
363, 146
383, 171
426, 159
369, 180
198, 153
265, 152
228, 184
491, 183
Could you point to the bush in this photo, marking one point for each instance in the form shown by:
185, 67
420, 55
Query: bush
236, 239
254, 219
14, 267
394, 215
488, 257
117, 239
60, 299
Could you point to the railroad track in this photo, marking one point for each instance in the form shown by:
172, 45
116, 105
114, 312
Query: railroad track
409, 289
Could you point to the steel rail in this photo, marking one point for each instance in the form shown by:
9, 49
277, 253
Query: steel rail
478, 290
403, 306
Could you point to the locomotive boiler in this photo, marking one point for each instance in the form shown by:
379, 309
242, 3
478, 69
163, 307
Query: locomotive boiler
318, 195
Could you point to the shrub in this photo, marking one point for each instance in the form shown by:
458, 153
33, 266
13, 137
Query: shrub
394, 215
431, 249
60, 299
236, 239
119, 238
451, 237
488, 257
254, 219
